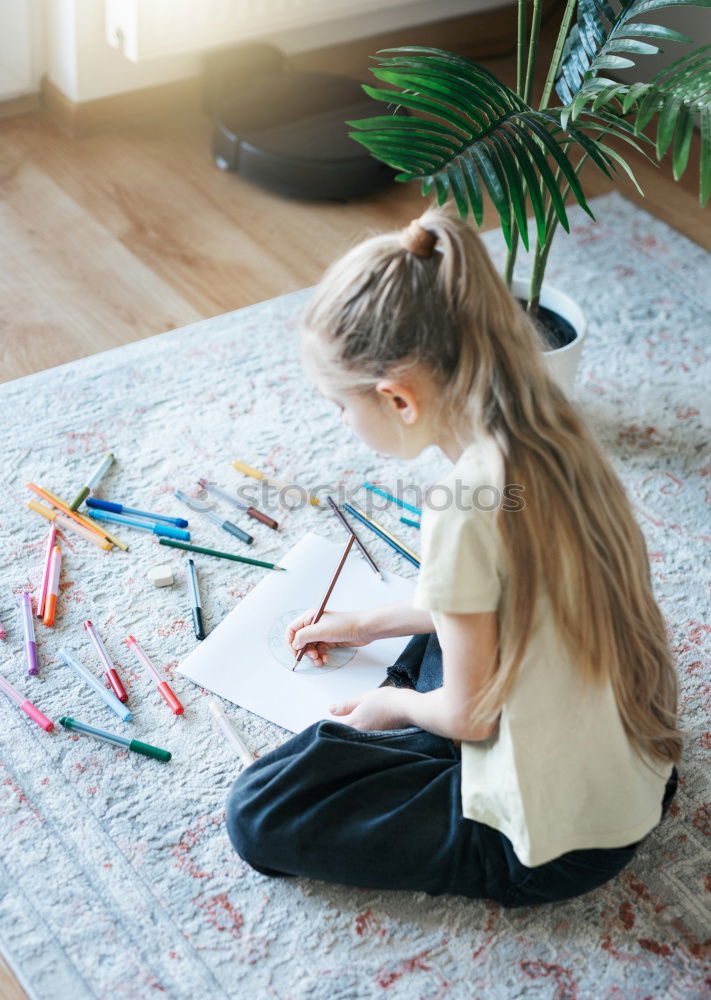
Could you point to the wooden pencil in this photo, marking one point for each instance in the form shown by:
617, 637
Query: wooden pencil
368, 558
331, 585
386, 535
175, 544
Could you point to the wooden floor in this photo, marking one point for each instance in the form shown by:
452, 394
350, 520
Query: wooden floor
112, 238
108, 239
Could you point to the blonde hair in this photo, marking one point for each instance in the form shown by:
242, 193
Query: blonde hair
391, 303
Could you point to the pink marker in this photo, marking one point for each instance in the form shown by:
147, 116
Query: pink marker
162, 685
114, 679
27, 707
51, 542
3, 633
29, 630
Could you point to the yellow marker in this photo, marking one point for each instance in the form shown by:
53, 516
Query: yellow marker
67, 525
75, 516
248, 470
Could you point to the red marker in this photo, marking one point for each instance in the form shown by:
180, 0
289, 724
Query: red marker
162, 685
114, 679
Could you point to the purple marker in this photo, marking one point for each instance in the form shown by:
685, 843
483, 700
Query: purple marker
29, 629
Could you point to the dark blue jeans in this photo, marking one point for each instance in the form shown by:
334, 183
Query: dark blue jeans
382, 810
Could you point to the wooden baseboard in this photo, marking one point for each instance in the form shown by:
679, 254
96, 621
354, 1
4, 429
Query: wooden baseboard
79, 120
484, 35
25, 105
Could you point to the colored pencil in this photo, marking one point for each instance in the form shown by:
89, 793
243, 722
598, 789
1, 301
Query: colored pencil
368, 558
405, 551
389, 496
217, 554
331, 585
386, 531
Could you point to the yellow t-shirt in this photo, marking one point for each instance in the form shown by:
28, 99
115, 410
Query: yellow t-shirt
559, 774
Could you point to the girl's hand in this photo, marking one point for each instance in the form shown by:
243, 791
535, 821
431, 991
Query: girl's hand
335, 628
378, 709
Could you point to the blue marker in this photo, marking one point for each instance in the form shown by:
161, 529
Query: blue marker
157, 529
119, 508
412, 524
108, 696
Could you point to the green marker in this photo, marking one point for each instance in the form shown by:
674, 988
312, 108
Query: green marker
101, 469
120, 741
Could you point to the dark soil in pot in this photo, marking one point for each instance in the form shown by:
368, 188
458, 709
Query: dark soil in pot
555, 332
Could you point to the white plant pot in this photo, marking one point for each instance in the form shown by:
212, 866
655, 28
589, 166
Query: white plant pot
563, 362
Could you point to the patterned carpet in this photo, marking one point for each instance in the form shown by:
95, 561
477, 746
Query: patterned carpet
116, 875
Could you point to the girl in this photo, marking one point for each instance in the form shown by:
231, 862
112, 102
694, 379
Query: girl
526, 744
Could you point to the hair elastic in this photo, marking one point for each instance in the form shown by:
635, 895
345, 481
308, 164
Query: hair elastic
418, 240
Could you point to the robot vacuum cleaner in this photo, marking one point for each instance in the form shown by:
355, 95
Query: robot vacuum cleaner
287, 132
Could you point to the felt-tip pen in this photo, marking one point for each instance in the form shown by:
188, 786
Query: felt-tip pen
96, 476
93, 682
111, 674
29, 630
197, 603
73, 725
27, 707
162, 685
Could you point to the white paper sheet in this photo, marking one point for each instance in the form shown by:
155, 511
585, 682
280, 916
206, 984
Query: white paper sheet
246, 660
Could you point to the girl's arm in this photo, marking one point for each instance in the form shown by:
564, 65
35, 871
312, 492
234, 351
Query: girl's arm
355, 628
469, 652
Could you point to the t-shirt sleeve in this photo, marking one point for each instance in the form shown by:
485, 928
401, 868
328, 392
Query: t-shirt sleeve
460, 562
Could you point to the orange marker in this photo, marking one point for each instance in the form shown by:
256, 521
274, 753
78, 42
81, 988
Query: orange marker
79, 518
50, 604
160, 683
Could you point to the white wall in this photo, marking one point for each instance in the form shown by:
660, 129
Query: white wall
21, 47
82, 64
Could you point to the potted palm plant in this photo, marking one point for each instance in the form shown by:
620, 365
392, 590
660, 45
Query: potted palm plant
464, 132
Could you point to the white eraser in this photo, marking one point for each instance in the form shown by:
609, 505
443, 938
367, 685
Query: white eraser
161, 576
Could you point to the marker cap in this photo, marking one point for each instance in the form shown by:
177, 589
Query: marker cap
167, 532
39, 717
170, 698
148, 751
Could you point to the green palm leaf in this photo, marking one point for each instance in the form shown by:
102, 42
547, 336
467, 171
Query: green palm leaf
600, 33
677, 94
468, 133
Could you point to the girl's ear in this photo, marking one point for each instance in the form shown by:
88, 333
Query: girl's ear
401, 398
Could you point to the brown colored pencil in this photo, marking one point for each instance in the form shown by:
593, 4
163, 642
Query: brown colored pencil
367, 556
331, 585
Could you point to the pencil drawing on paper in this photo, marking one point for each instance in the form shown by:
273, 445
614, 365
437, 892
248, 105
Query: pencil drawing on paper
283, 655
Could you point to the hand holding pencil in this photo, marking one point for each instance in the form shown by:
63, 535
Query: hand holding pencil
332, 584
334, 629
